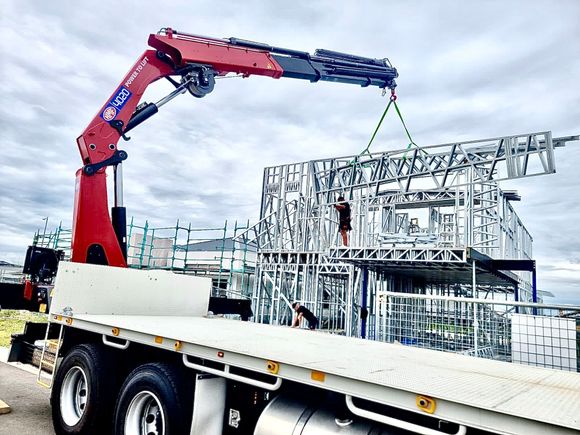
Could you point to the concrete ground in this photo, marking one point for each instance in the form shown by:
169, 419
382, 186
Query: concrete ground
29, 402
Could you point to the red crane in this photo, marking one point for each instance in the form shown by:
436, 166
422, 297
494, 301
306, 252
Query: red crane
190, 63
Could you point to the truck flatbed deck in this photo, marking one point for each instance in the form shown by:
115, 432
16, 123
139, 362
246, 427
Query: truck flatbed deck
477, 389
491, 395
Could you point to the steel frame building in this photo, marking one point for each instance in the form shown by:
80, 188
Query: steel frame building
430, 220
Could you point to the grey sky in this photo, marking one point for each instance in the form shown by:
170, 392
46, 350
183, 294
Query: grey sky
468, 70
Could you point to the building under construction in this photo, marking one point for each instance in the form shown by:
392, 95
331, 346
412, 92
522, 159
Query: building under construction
437, 255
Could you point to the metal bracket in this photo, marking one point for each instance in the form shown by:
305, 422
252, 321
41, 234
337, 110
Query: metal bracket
225, 373
402, 424
116, 158
117, 124
116, 345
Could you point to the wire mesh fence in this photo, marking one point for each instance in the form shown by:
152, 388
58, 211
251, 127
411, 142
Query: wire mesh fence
533, 334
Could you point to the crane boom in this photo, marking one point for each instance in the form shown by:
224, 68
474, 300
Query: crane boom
191, 63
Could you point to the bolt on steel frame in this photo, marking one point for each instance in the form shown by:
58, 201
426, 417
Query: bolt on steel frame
428, 220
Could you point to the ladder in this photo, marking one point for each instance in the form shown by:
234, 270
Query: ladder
43, 378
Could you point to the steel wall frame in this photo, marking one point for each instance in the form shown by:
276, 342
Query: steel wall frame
454, 185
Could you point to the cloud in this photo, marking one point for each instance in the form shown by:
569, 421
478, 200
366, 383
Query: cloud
467, 71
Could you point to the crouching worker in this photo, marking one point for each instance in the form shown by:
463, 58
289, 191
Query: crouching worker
303, 312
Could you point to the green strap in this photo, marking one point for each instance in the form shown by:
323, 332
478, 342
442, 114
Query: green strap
366, 150
411, 141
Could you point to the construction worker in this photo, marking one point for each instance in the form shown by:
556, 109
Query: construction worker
303, 312
343, 209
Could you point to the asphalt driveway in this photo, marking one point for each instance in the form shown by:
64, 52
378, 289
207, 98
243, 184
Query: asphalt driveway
29, 402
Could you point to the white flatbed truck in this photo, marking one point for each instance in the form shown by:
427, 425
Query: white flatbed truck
138, 353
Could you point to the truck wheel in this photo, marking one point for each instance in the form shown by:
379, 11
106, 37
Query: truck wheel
82, 391
154, 399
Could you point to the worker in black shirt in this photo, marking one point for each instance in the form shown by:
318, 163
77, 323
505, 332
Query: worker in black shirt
343, 208
303, 312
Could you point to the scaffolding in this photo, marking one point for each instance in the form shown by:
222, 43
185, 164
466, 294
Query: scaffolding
60, 239
211, 252
429, 221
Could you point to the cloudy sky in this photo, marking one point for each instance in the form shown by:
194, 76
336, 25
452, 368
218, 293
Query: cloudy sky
468, 70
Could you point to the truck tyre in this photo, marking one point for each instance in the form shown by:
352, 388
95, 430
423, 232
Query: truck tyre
82, 392
156, 398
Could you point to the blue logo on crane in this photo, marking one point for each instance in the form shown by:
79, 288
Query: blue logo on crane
116, 104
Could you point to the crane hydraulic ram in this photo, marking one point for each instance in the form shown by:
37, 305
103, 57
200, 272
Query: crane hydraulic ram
191, 63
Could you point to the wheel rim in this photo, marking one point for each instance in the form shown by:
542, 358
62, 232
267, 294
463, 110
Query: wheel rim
73, 396
145, 415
